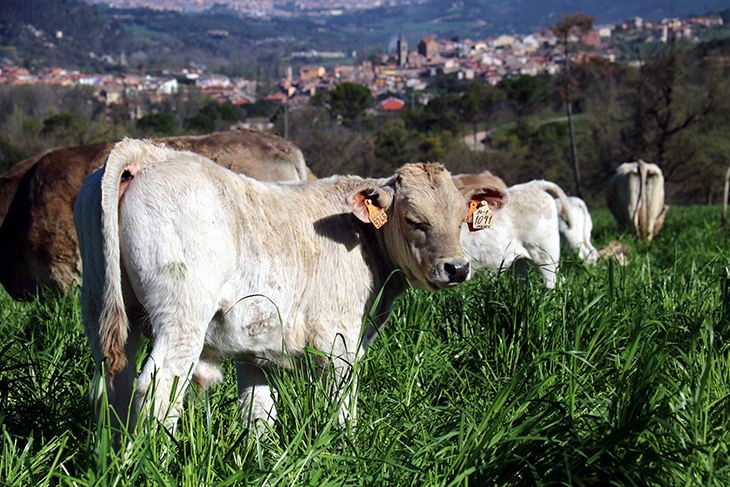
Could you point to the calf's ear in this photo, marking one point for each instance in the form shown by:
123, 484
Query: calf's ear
476, 217
369, 203
495, 197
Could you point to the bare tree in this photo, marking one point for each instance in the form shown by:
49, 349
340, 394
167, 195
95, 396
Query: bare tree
569, 30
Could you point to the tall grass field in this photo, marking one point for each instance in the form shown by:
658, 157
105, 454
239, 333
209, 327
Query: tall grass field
618, 377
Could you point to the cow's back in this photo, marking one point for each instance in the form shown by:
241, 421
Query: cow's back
485, 177
38, 242
242, 151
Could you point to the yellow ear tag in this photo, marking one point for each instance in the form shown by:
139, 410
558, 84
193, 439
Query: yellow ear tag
470, 212
377, 216
483, 217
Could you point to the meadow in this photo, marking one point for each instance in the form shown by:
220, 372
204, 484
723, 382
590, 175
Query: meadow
618, 377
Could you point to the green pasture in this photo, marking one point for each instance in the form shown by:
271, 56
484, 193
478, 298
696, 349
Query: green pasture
619, 377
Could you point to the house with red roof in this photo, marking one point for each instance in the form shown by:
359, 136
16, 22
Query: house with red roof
392, 104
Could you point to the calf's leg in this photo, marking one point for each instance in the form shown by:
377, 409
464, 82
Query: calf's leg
255, 395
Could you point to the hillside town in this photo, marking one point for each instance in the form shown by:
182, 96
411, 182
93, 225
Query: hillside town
393, 77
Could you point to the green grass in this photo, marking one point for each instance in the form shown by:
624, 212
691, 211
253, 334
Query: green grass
619, 377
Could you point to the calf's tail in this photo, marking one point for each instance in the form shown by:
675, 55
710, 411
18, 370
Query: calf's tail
125, 161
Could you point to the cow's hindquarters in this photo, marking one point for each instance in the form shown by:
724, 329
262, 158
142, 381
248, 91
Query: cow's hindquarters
177, 278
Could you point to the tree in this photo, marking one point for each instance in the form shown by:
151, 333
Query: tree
349, 100
674, 102
429, 148
665, 100
261, 108
446, 83
567, 28
526, 94
200, 123
213, 116
10, 155
468, 108
483, 102
158, 123
68, 128
391, 146
328, 147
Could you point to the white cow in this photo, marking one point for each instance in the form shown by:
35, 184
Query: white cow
526, 229
575, 226
211, 264
635, 197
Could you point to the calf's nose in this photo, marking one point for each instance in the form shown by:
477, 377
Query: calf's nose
457, 271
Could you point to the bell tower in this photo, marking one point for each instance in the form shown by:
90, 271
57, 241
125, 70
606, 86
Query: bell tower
402, 51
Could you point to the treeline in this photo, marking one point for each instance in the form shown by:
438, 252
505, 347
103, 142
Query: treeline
674, 111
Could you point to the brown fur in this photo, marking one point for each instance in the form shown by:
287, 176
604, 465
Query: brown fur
10, 181
485, 177
38, 244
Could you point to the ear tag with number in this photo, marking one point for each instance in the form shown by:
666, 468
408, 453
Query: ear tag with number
483, 217
470, 213
377, 216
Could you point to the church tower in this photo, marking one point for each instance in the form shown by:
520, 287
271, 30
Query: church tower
402, 51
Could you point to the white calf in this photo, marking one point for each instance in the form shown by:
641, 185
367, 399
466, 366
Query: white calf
526, 229
211, 264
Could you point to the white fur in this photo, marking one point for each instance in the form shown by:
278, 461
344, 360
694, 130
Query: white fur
526, 229
214, 264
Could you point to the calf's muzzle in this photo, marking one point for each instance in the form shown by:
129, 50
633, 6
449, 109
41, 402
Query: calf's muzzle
457, 271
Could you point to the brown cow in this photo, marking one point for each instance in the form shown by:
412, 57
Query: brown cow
38, 244
484, 177
10, 181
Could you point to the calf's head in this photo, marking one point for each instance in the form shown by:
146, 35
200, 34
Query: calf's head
425, 213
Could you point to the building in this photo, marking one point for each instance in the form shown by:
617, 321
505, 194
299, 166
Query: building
311, 72
392, 103
635, 22
402, 51
428, 48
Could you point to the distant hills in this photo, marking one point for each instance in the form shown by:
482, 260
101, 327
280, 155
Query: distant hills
64, 32
68, 33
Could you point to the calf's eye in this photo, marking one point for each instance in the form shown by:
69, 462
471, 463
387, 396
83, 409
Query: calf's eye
417, 225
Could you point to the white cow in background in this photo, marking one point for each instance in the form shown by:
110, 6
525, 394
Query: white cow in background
576, 225
527, 229
211, 264
635, 197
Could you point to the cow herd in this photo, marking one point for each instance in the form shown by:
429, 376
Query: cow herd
217, 246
